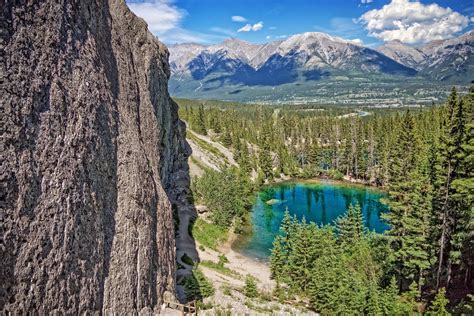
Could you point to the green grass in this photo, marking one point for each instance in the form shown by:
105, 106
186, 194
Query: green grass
221, 269
209, 235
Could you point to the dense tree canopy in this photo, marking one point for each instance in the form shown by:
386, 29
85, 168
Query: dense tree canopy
423, 158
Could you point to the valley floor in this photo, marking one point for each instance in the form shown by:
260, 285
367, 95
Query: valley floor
229, 297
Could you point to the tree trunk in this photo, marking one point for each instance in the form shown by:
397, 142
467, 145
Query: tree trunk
444, 226
466, 276
441, 250
450, 266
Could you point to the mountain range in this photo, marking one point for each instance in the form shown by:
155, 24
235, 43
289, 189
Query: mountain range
315, 56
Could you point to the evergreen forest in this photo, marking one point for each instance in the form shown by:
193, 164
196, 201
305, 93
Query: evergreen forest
422, 157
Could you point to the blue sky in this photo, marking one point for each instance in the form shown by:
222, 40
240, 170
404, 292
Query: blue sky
370, 22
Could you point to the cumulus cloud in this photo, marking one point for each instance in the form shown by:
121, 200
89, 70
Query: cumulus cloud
257, 26
413, 22
238, 18
164, 20
249, 27
160, 15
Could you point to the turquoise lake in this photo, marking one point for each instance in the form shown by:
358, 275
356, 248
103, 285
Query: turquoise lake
320, 202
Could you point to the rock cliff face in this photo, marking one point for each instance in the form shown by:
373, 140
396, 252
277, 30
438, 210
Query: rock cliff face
93, 157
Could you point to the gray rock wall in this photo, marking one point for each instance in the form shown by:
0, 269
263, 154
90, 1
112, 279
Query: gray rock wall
93, 156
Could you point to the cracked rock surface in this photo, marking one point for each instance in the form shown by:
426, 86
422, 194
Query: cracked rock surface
93, 156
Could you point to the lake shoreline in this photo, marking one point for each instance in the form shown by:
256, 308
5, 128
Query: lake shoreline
321, 203
343, 181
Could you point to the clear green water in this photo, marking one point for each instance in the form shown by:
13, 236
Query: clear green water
320, 202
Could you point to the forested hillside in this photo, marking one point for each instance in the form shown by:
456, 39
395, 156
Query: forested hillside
422, 157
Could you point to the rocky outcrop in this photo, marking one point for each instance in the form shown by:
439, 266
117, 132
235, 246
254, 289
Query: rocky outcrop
93, 157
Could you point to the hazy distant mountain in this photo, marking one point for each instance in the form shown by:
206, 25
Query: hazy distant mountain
306, 56
440, 60
404, 54
302, 63
450, 59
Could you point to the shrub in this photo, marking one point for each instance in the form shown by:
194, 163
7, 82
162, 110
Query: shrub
223, 260
209, 235
187, 260
335, 174
226, 194
197, 286
250, 288
439, 304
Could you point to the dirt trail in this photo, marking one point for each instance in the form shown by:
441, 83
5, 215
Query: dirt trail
241, 264
229, 296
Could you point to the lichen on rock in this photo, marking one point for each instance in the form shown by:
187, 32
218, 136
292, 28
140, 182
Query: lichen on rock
93, 157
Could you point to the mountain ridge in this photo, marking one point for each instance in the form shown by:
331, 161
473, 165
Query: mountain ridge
314, 55
317, 67
436, 59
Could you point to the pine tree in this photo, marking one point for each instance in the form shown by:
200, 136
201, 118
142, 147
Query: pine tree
265, 163
200, 121
237, 147
445, 206
391, 302
463, 190
411, 298
287, 226
244, 159
313, 155
278, 259
438, 307
197, 286
409, 215
250, 288
226, 139
350, 227
301, 257
214, 123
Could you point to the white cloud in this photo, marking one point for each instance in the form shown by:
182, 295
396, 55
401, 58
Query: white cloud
282, 36
164, 20
268, 37
413, 22
249, 27
160, 15
180, 35
343, 27
245, 28
223, 31
272, 28
238, 18
257, 26
366, 1
356, 41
